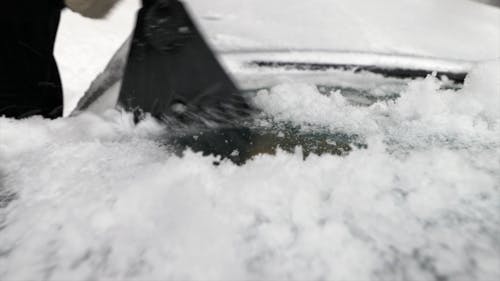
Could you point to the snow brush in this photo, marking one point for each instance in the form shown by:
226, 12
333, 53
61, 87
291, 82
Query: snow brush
172, 72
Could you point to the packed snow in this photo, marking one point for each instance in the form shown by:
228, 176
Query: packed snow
96, 197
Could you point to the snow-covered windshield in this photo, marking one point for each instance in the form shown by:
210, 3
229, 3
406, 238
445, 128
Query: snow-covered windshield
351, 175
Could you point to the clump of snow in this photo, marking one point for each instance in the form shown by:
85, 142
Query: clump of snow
304, 104
482, 88
95, 197
478, 101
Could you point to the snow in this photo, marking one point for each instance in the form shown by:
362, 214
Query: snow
96, 197
387, 26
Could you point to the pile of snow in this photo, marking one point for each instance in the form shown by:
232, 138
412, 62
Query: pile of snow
95, 197
424, 109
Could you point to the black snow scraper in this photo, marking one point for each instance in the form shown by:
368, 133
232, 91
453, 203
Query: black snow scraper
172, 72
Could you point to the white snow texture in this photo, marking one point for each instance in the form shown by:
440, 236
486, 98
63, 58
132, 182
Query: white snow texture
95, 197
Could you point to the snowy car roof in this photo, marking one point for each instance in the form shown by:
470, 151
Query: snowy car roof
452, 29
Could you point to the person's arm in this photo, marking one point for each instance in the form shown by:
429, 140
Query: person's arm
91, 8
